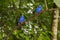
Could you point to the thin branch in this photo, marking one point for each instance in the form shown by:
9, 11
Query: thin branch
46, 4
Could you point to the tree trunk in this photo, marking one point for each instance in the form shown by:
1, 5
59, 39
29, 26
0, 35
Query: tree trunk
55, 23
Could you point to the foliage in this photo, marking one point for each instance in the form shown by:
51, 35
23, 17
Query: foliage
35, 28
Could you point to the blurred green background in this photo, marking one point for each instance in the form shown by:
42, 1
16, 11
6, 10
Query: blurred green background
38, 28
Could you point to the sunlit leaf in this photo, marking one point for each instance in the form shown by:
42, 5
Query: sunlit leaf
57, 2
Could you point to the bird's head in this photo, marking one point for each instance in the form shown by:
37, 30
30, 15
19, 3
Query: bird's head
39, 6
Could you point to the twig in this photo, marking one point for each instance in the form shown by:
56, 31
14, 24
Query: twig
46, 4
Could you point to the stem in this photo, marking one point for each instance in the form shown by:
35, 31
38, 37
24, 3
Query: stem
46, 5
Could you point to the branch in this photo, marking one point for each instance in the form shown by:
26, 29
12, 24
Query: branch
46, 4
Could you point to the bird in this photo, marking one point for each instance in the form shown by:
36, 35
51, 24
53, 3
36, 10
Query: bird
21, 22
21, 19
38, 9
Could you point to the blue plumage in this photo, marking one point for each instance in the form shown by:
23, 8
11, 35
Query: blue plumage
21, 19
38, 9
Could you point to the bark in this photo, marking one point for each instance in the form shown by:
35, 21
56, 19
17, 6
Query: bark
55, 23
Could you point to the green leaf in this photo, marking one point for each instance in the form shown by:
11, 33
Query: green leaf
15, 32
0, 35
14, 1
27, 38
57, 2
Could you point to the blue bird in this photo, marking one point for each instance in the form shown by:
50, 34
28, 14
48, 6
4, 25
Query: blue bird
38, 9
21, 19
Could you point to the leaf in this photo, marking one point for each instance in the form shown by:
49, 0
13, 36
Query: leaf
21, 34
15, 32
1, 36
27, 38
57, 2
14, 1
